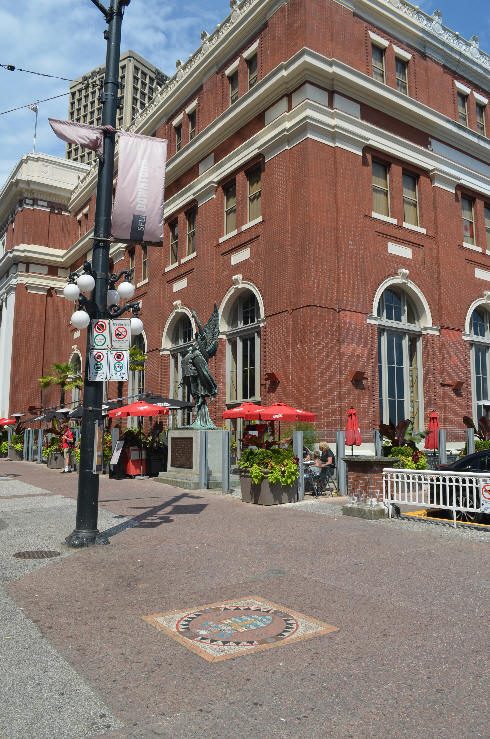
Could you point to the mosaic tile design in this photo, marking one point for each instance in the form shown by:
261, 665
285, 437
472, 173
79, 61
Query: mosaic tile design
232, 628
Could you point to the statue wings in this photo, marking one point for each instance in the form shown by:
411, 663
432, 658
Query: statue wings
207, 337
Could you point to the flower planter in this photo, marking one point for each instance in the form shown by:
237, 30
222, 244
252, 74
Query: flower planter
14, 455
264, 493
56, 461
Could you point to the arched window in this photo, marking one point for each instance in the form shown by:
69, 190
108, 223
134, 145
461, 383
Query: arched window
243, 348
399, 358
76, 364
181, 339
480, 358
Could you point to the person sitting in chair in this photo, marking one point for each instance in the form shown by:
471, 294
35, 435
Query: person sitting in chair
327, 460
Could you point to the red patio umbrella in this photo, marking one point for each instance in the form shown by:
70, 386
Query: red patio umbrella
432, 438
140, 408
352, 432
7, 421
242, 410
283, 412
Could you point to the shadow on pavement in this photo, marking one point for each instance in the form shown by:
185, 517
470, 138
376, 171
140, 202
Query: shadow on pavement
153, 517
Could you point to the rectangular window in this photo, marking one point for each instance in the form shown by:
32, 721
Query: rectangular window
178, 137
402, 75
131, 262
85, 221
480, 119
467, 207
233, 82
378, 61
254, 194
192, 125
174, 242
144, 263
410, 204
463, 108
381, 198
252, 71
487, 225
191, 232
230, 207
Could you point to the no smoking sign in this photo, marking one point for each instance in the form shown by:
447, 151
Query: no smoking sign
485, 498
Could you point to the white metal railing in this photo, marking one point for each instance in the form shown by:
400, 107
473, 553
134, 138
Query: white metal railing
458, 492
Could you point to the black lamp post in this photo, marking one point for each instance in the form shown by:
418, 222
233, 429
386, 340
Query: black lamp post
85, 532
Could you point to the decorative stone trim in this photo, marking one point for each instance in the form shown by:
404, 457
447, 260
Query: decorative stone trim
248, 54
381, 217
401, 53
399, 250
462, 88
378, 40
412, 227
480, 99
473, 247
232, 68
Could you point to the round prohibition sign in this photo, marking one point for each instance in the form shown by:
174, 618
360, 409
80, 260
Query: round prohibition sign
118, 367
99, 339
485, 492
100, 327
118, 357
99, 357
120, 332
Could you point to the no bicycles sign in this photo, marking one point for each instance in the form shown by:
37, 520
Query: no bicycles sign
485, 498
120, 333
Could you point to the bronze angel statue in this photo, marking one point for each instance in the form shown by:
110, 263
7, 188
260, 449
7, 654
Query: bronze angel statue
195, 371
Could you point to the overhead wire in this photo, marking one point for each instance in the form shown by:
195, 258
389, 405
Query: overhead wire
13, 68
44, 100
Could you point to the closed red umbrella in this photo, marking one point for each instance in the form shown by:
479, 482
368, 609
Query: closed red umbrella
352, 432
241, 411
140, 408
432, 438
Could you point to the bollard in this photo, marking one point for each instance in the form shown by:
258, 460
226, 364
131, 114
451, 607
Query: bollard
341, 466
25, 450
442, 447
203, 460
40, 446
377, 443
298, 452
225, 462
470, 441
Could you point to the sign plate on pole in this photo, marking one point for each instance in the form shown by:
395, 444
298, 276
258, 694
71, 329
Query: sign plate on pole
117, 451
118, 364
98, 369
485, 498
120, 333
100, 337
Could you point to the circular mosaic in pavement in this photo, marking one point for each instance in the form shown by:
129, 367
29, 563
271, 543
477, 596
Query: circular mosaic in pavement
237, 625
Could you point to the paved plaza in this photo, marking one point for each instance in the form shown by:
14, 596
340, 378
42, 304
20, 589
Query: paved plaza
209, 617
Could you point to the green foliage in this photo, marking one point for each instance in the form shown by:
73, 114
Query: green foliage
137, 358
411, 459
401, 435
17, 441
310, 436
483, 430
4, 447
278, 465
63, 376
480, 445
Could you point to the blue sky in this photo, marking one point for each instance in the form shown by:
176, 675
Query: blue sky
64, 37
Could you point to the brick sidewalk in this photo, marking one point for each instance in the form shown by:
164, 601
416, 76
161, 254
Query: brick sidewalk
408, 659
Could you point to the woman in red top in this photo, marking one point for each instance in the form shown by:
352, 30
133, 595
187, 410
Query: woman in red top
68, 443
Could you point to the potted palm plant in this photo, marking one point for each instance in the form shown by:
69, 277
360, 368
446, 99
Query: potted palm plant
64, 376
269, 476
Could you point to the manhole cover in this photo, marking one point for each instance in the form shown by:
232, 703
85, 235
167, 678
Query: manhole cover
36, 554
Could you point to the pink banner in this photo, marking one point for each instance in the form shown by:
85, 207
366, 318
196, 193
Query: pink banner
91, 137
137, 215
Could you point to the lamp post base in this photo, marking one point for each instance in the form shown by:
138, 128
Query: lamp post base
81, 538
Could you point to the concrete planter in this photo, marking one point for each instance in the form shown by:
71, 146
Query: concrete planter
266, 494
14, 455
56, 461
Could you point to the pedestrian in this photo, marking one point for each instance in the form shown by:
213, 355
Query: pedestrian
68, 444
327, 460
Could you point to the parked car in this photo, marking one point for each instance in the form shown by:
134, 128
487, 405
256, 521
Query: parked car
442, 491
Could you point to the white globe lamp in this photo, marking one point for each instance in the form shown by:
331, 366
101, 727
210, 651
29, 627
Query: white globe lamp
113, 297
136, 326
71, 291
126, 290
80, 319
86, 283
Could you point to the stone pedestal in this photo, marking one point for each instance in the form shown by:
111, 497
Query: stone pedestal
184, 454
365, 475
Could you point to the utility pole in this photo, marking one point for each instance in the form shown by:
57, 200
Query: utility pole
86, 532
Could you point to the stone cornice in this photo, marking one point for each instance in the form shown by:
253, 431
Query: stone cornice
308, 65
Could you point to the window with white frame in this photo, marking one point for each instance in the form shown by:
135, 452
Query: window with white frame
243, 349
463, 108
410, 199
401, 75
252, 71
468, 213
254, 193
378, 62
144, 263
487, 225
233, 84
230, 206
174, 241
399, 359
480, 358
480, 119
190, 218
381, 191
181, 338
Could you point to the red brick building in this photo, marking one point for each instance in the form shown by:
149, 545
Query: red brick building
328, 185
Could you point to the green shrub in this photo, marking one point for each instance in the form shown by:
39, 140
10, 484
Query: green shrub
278, 465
